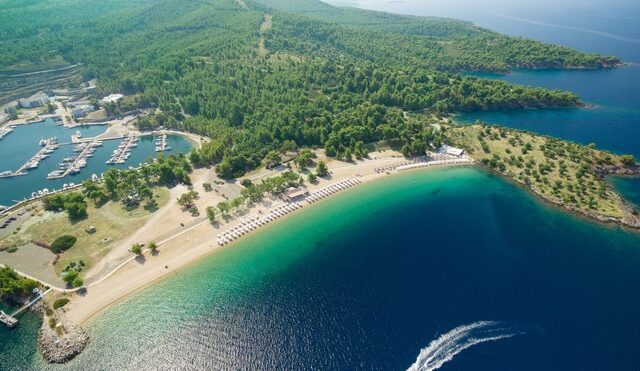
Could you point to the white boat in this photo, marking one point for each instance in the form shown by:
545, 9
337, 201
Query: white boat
42, 142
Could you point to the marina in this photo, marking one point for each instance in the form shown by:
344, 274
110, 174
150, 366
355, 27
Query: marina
72, 165
17, 149
48, 147
123, 152
161, 143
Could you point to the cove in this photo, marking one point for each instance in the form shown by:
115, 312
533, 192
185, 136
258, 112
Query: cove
20, 145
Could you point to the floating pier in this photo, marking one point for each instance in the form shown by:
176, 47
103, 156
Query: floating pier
11, 320
123, 152
8, 320
72, 165
161, 143
48, 146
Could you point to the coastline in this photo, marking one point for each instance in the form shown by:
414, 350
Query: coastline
577, 213
187, 248
197, 241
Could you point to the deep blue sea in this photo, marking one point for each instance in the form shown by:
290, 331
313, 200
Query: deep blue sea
368, 279
454, 269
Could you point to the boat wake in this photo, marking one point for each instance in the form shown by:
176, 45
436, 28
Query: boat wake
500, 13
447, 346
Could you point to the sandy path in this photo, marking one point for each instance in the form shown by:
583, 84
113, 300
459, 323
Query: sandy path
164, 221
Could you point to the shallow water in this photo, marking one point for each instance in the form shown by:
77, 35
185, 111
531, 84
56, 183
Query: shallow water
369, 278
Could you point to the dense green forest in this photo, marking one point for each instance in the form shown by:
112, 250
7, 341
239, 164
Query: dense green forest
308, 74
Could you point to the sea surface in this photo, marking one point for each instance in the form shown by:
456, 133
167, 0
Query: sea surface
454, 269
22, 144
369, 278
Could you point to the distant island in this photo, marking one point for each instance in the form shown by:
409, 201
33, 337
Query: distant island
286, 101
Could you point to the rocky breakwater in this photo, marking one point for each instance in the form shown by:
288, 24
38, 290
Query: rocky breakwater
60, 339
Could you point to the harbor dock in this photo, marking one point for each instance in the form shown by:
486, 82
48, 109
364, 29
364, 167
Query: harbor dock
72, 165
10, 320
5, 131
123, 152
161, 143
48, 147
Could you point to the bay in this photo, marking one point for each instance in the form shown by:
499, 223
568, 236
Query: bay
370, 277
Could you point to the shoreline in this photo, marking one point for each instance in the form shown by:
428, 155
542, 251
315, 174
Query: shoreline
586, 217
185, 249
197, 241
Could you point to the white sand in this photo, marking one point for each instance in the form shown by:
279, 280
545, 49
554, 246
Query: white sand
193, 242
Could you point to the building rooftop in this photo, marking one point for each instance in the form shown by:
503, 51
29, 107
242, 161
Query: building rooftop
112, 98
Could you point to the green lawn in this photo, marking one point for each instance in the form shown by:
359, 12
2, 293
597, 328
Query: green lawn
112, 221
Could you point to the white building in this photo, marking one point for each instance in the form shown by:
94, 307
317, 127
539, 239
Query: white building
452, 151
34, 101
111, 98
11, 110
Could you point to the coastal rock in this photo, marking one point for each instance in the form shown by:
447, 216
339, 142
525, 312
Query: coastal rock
63, 342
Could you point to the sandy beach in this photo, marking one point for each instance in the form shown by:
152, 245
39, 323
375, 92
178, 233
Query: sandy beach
120, 274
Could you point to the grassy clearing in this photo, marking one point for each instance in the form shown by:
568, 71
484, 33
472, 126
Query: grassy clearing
112, 222
559, 171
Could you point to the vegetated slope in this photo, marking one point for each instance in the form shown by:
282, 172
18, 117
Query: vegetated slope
337, 85
443, 43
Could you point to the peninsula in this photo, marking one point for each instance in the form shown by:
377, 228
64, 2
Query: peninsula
287, 102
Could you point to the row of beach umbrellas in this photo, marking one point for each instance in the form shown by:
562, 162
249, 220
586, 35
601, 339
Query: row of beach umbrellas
331, 189
254, 223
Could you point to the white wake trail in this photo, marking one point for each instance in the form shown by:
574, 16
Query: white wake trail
500, 13
447, 346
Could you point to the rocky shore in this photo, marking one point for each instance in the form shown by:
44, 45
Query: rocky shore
60, 339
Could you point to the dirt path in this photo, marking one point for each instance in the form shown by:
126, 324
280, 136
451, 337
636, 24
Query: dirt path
242, 4
264, 27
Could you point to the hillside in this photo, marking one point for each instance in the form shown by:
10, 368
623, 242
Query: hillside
275, 75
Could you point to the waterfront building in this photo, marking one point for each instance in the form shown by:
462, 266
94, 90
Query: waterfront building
453, 151
82, 110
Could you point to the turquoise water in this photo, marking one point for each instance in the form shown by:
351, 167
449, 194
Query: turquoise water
19, 146
367, 279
